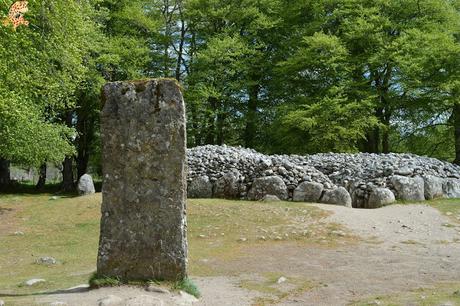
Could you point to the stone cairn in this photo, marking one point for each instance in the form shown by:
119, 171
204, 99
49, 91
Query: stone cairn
143, 225
358, 180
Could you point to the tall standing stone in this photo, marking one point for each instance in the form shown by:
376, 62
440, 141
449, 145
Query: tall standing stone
143, 225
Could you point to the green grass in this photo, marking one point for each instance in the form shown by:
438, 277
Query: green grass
97, 282
187, 285
67, 228
438, 295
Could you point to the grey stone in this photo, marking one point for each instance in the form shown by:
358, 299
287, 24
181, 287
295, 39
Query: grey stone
263, 186
110, 300
200, 187
433, 187
157, 289
451, 188
85, 185
144, 300
227, 186
308, 192
34, 281
380, 197
2, 303
47, 260
143, 225
270, 198
337, 196
408, 188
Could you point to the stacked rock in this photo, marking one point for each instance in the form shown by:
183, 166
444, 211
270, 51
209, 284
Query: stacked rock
362, 180
229, 172
371, 177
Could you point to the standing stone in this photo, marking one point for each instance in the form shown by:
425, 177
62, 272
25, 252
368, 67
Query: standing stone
143, 225
85, 185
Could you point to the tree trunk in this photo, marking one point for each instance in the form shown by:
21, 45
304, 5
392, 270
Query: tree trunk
67, 175
456, 116
67, 167
4, 173
41, 177
251, 117
386, 132
181, 46
85, 128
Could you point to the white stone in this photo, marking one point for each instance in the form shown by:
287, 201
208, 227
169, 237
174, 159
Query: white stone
34, 281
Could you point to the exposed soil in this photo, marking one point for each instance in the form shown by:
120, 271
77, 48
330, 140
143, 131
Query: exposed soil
402, 247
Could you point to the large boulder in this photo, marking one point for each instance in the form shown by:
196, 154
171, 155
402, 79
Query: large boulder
200, 187
85, 185
272, 185
228, 185
337, 196
433, 187
308, 192
380, 197
409, 188
451, 188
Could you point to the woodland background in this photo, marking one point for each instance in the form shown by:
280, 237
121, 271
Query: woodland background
279, 76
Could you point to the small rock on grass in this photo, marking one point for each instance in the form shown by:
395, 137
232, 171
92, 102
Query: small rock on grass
34, 281
242, 240
281, 280
2, 303
46, 260
19, 233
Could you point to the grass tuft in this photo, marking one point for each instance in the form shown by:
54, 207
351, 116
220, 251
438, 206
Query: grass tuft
187, 285
97, 282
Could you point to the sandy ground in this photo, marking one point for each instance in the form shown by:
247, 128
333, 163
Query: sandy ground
403, 247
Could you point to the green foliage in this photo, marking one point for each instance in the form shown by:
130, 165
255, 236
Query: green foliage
187, 285
96, 281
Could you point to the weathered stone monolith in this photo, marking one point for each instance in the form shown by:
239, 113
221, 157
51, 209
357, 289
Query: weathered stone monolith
143, 225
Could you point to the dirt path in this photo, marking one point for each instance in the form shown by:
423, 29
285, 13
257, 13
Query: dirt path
403, 248
411, 246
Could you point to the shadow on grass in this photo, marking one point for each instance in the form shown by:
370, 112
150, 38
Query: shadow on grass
61, 291
55, 189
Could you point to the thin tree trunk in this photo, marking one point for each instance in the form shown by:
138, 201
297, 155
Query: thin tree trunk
41, 177
386, 133
251, 117
456, 116
181, 46
67, 167
4, 173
